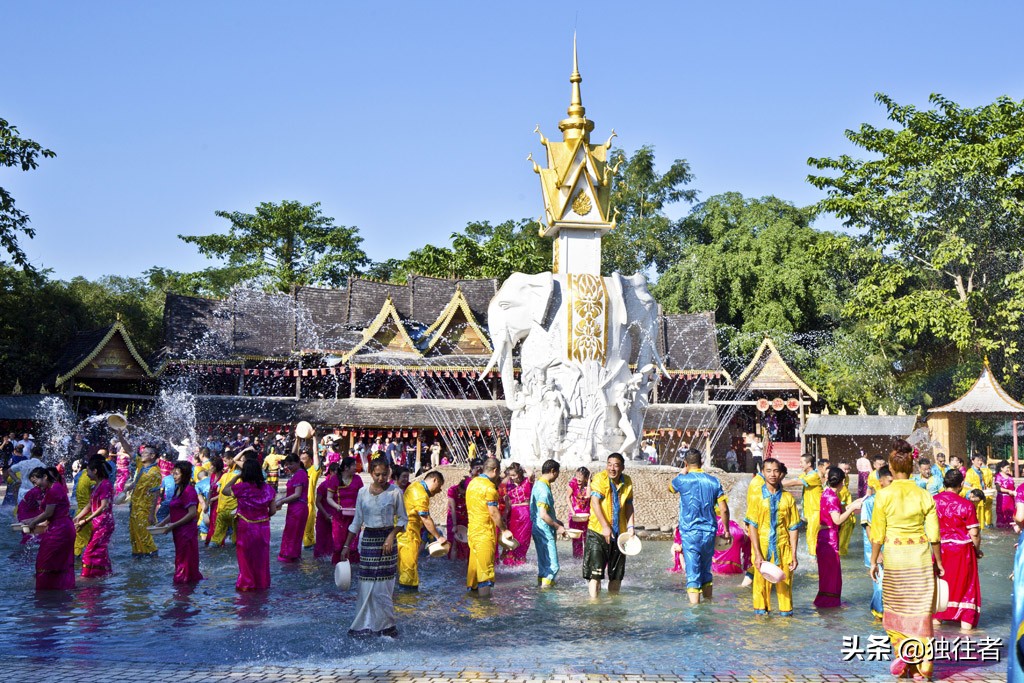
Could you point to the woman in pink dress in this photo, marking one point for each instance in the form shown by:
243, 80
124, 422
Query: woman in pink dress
1005, 491
832, 515
579, 504
100, 514
518, 489
961, 547
295, 498
124, 468
458, 515
323, 547
55, 563
184, 507
30, 506
349, 484
735, 560
252, 543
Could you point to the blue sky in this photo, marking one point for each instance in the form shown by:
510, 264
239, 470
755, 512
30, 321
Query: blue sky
409, 120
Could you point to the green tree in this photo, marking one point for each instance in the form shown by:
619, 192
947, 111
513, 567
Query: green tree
16, 151
283, 245
941, 200
644, 236
482, 250
214, 283
758, 264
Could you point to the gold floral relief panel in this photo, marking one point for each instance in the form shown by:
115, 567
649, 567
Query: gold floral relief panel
587, 310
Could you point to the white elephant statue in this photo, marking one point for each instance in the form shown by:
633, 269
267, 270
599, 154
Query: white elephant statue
601, 402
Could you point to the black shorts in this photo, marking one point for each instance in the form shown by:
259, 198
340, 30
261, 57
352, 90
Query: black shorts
598, 554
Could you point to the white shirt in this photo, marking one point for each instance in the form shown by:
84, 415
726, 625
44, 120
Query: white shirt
23, 469
380, 511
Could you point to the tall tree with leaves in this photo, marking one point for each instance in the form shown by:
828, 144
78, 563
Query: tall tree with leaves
644, 236
942, 200
285, 244
757, 263
16, 151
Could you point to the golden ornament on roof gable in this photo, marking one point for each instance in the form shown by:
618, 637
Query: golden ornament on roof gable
581, 205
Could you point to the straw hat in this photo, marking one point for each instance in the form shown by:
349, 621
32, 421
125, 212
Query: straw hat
574, 533
581, 517
721, 544
438, 549
629, 545
117, 422
343, 575
772, 573
941, 595
304, 430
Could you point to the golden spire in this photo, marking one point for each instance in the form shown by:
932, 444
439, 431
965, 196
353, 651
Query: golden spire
577, 125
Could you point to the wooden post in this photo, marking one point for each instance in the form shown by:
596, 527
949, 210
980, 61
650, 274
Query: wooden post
241, 380
497, 448
298, 383
803, 421
1016, 458
352, 382
419, 451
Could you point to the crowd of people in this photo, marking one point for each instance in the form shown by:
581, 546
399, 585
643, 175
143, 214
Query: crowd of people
921, 520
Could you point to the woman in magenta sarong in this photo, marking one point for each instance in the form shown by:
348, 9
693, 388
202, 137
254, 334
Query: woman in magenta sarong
184, 512
961, 547
458, 516
579, 504
1005, 492
518, 490
832, 515
55, 563
124, 470
252, 544
323, 547
349, 484
28, 507
735, 560
100, 514
298, 510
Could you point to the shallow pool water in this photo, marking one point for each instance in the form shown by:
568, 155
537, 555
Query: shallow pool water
137, 614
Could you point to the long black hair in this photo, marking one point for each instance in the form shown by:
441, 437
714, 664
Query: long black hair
252, 472
185, 467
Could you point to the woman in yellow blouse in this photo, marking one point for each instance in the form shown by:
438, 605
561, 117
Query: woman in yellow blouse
904, 519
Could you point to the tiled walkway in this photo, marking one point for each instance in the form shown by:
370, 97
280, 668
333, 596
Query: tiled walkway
69, 671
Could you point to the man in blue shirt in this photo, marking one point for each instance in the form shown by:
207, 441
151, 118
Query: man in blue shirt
699, 495
926, 478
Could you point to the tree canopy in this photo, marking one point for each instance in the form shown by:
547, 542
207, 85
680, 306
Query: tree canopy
757, 263
283, 245
644, 236
941, 200
16, 151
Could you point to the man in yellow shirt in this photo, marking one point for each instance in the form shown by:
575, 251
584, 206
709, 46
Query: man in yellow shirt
877, 463
979, 476
272, 465
227, 505
773, 527
417, 509
484, 518
611, 514
811, 482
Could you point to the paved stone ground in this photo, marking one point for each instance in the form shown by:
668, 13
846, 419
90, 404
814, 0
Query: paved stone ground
40, 670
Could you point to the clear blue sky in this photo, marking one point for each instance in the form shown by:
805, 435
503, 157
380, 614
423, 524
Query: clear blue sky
409, 120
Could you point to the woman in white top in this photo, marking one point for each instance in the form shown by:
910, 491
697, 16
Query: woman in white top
380, 513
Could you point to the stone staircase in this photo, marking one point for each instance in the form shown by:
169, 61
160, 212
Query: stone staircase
787, 452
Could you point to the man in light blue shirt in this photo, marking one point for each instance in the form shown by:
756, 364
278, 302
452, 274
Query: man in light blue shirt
699, 495
926, 478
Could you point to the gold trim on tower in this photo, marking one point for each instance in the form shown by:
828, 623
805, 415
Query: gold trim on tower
588, 312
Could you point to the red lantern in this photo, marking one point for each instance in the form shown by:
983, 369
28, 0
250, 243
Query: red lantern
793, 404
778, 404
762, 405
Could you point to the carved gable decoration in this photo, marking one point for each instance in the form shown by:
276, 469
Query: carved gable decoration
769, 372
386, 332
457, 331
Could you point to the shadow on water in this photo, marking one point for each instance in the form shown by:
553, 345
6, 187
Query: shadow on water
139, 615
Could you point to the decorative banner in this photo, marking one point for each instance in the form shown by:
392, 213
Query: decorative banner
778, 404
793, 404
762, 405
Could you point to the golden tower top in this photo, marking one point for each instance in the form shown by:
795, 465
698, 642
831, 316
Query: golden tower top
576, 184
577, 125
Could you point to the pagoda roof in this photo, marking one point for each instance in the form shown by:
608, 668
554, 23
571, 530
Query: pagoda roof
86, 346
769, 371
458, 304
388, 316
985, 396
